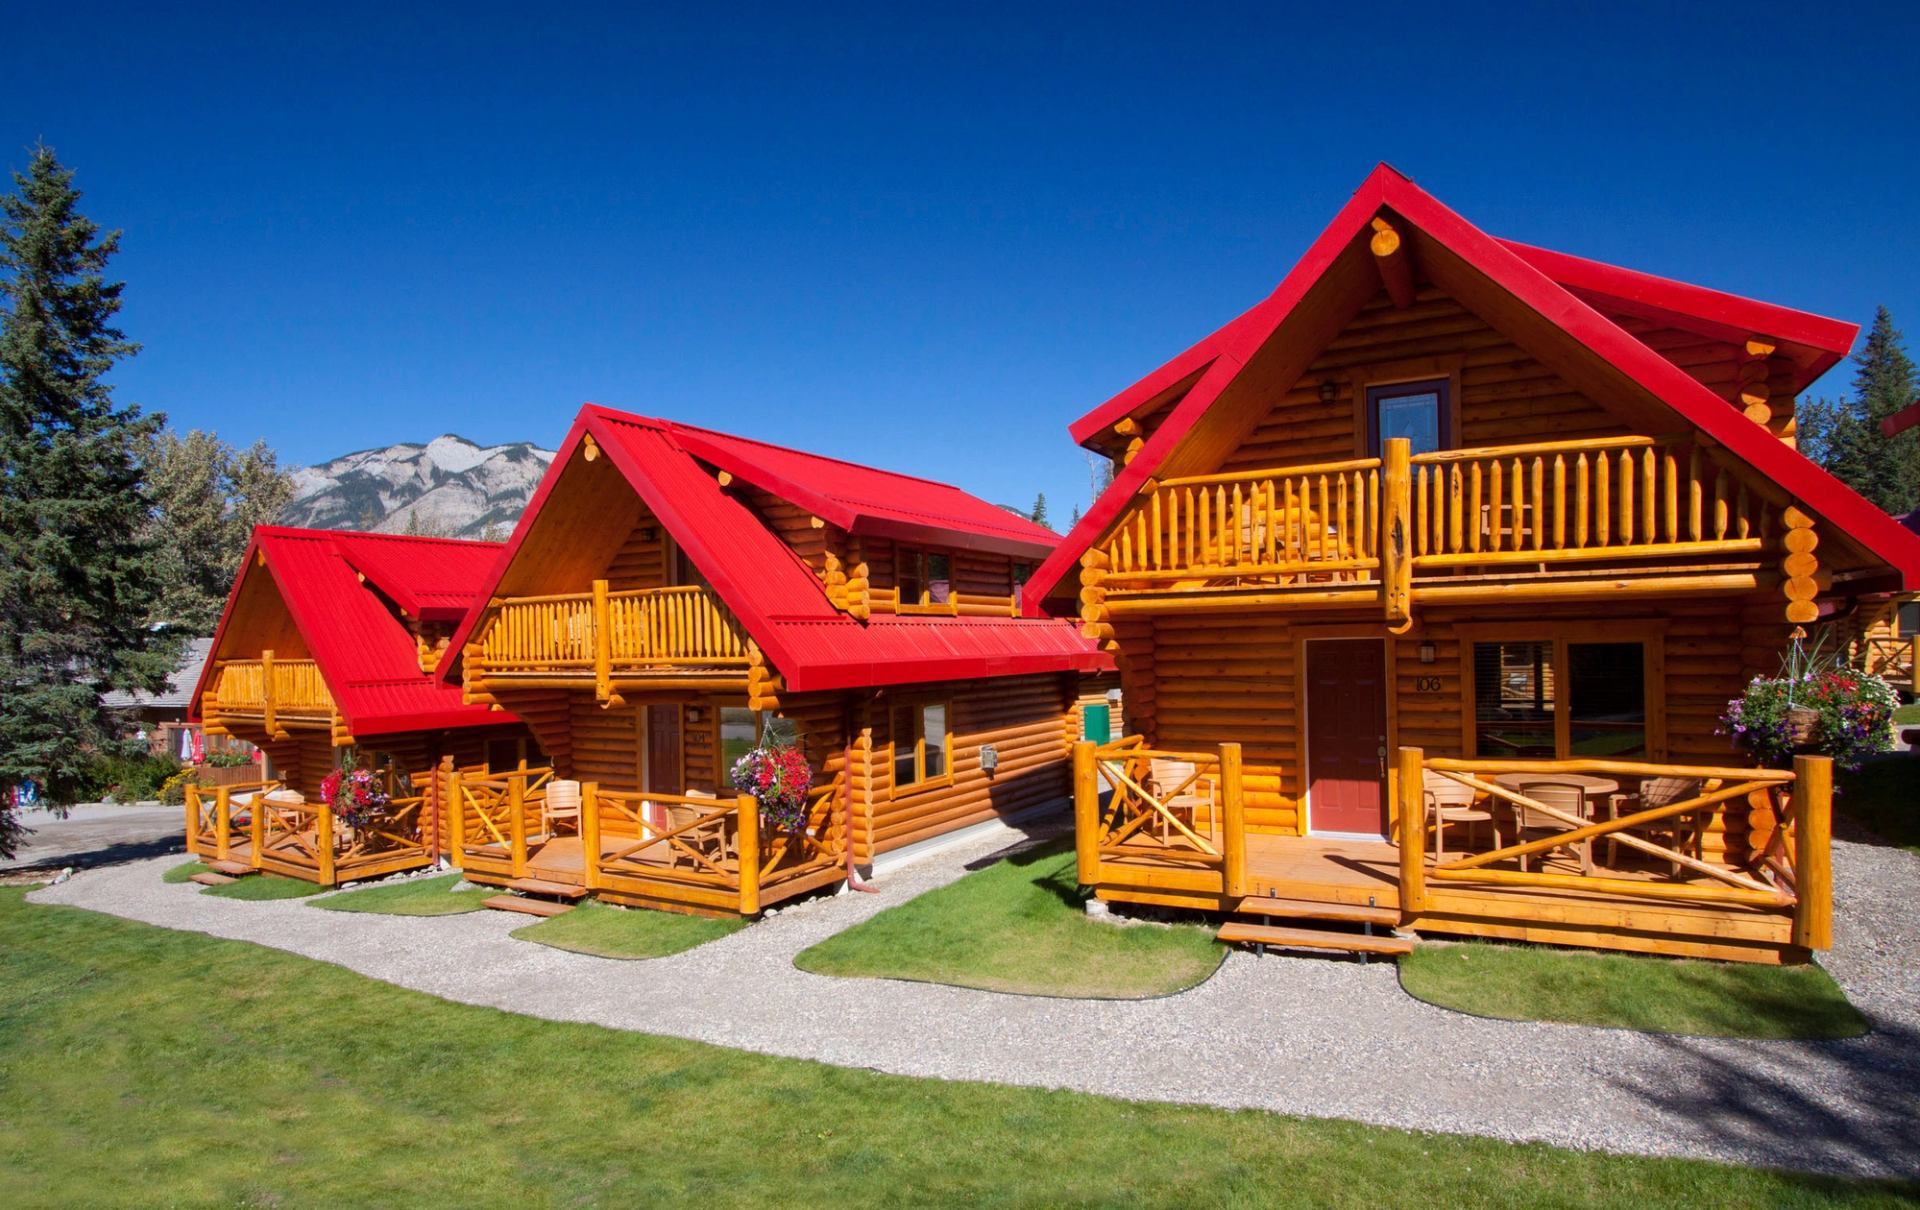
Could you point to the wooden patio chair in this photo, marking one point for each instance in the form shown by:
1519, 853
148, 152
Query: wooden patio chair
1681, 833
560, 805
1166, 776
1564, 796
1449, 801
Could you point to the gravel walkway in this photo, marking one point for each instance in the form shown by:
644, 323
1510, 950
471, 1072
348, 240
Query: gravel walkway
1296, 1035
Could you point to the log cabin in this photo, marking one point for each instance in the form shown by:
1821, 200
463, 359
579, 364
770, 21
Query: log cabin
324, 658
675, 596
1429, 578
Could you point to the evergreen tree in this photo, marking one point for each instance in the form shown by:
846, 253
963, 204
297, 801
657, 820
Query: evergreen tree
1039, 513
208, 497
76, 583
1076, 517
1814, 428
1884, 383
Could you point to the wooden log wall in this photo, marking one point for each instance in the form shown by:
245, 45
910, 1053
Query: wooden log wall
641, 561
1729, 369
1505, 395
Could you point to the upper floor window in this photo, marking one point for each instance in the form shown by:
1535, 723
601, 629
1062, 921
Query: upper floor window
1418, 411
1022, 572
926, 582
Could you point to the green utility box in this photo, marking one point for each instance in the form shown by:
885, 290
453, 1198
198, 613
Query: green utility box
1096, 723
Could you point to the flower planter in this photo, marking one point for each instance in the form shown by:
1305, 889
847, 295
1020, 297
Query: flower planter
1803, 726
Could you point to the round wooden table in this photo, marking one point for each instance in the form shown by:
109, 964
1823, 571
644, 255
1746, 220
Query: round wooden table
1592, 787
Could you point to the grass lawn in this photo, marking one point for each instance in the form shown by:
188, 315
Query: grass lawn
1628, 991
140, 1066
1020, 925
413, 897
1883, 796
1908, 714
606, 931
253, 886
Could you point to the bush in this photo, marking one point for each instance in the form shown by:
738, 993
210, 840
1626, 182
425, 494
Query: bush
127, 778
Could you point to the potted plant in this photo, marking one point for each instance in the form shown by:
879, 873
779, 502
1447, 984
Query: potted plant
778, 776
1815, 705
354, 796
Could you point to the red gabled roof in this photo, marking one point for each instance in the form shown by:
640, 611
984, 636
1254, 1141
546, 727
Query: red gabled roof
1639, 368
368, 657
773, 594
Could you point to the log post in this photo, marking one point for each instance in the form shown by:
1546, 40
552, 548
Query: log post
267, 712
1233, 824
456, 821
1412, 824
222, 823
192, 795
256, 827
590, 833
1813, 851
1913, 665
1395, 262
1086, 812
517, 822
602, 642
1396, 556
324, 844
748, 810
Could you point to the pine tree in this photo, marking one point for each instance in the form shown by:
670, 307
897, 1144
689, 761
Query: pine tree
1039, 514
208, 497
1884, 383
76, 584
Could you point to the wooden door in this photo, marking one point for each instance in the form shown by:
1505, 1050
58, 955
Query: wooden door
664, 771
1347, 736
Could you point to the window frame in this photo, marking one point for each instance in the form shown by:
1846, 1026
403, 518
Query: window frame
1441, 386
921, 557
916, 710
1650, 633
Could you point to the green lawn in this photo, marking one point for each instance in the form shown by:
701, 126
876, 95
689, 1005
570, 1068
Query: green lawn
606, 931
413, 897
1908, 714
1883, 796
253, 886
1020, 925
140, 1066
1628, 991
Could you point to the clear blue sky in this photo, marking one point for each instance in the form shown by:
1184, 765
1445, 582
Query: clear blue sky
921, 236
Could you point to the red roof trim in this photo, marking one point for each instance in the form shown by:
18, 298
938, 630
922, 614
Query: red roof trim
1693, 401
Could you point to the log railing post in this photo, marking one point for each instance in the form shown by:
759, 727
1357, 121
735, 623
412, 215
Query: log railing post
1086, 812
456, 822
256, 826
266, 695
192, 795
1233, 824
1412, 823
748, 810
222, 823
324, 844
517, 821
1396, 553
1812, 855
602, 642
1913, 664
590, 832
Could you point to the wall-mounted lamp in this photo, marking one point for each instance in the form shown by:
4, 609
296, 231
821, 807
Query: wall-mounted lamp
1427, 652
649, 534
1329, 390
693, 715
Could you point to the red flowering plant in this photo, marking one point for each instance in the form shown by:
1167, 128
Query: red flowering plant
1818, 704
779, 777
355, 796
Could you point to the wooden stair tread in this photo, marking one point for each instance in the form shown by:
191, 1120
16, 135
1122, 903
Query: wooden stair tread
209, 878
1313, 909
238, 869
526, 907
542, 886
1243, 933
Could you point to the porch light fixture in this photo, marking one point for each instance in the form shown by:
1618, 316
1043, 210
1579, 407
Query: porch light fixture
1427, 652
649, 534
1328, 390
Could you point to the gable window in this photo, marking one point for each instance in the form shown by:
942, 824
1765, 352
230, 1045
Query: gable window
1559, 699
926, 582
1418, 411
1022, 572
922, 746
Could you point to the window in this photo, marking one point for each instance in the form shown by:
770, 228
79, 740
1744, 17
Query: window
926, 582
1551, 698
741, 729
1022, 572
922, 746
1417, 411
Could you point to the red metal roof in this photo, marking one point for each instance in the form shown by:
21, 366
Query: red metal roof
773, 594
1221, 356
367, 655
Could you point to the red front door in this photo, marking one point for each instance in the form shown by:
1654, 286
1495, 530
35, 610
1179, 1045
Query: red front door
1347, 736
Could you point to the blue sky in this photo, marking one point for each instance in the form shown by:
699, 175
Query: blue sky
920, 236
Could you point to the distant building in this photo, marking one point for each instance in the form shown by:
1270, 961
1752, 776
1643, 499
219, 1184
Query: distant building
161, 718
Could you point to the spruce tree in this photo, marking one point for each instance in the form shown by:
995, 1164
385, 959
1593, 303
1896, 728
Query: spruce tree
76, 583
1884, 383
1039, 513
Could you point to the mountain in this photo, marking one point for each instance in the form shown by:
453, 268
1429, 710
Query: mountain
448, 486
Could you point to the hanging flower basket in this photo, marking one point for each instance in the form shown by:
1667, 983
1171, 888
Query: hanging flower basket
1803, 723
356, 798
1840, 713
779, 778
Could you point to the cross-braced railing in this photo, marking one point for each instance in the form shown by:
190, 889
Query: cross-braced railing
1135, 802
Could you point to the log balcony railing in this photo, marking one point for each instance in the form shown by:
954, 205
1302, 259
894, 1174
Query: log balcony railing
1132, 831
239, 823
1402, 526
1896, 659
606, 639
270, 692
701, 851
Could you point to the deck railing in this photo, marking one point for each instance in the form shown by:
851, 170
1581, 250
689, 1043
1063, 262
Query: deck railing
608, 635
305, 839
210, 817
1784, 862
1383, 525
1161, 806
1896, 659
273, 690
492, 817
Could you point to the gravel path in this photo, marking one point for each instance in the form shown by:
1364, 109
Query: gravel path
1296, 1035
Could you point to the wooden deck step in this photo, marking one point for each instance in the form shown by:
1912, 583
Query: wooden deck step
528, 907
542, 886
1313, 909
1239, 932
209, 878
235, 869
